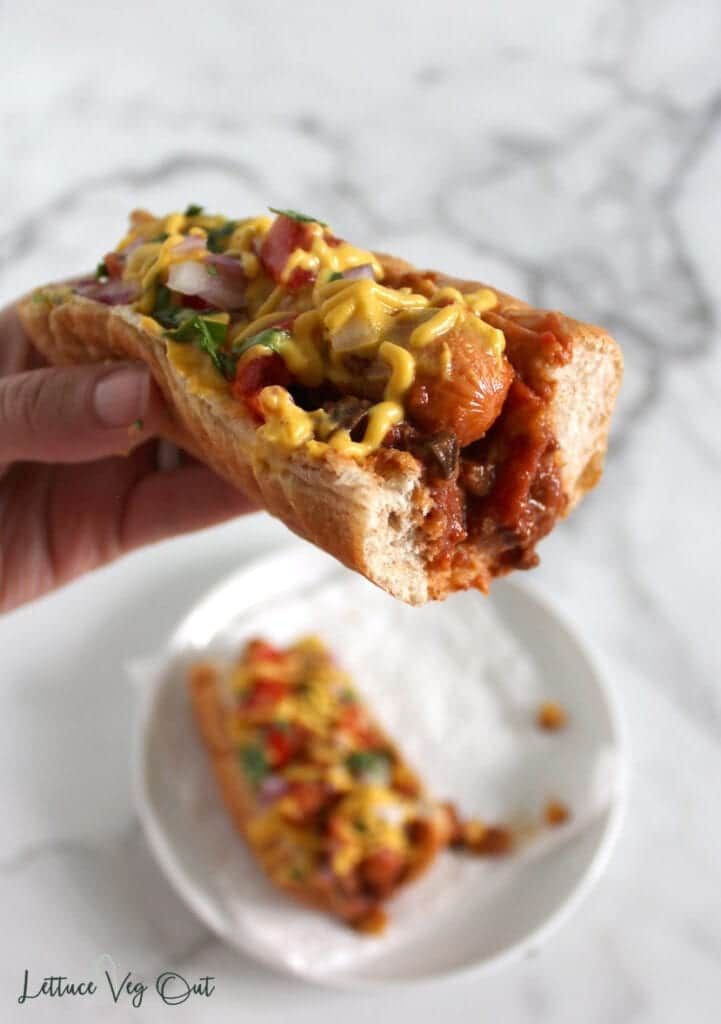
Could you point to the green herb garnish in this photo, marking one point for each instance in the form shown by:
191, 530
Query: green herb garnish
101, 270
209, 335
254, 763
138, 424
161, 237
166, 311
193, 210
211, 269
370, 765
336, 276
217, 236
271, 338
300, 217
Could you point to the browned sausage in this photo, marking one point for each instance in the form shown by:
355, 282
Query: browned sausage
469, 399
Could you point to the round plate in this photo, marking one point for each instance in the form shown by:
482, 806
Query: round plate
457, 684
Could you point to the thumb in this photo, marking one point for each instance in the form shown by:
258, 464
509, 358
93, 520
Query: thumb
77, 413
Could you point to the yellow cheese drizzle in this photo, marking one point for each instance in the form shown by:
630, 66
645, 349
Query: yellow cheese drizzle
345, 317
369, 816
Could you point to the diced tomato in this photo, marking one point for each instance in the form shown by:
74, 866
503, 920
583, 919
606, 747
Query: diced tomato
261, 650
196, 302
285, 236
253, 375
114, 263
280, 745
264, 694
354, 720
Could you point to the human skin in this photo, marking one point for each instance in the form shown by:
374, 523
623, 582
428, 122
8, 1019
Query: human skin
81, 477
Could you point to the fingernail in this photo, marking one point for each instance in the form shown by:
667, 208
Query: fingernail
121, 397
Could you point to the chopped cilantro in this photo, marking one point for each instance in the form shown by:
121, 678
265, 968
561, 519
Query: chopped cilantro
297, 873
165, 310
209, 335
270, 338
218, 236
359, 826
193, 210
138, 424
347, 696
300, 217
39, 298
101, 270
211, 269
370, 765
254, 763
336, 276
161, 237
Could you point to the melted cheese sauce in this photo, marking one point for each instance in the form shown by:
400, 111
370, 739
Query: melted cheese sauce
196, 368
272, 694
339, 325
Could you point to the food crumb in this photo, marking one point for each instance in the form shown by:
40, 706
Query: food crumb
487, 840
473, 832
551, 716
372, 923
556, 813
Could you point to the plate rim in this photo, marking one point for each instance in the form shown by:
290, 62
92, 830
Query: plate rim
163, 850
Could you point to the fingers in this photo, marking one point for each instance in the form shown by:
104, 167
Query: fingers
163, 504
73, 414
16, 352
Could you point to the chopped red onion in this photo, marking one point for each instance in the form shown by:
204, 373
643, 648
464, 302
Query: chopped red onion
190, 243
220, 283
359, 272
114, 292
357, 333
272, 787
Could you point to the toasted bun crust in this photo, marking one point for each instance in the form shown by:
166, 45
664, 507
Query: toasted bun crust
209, 709
366, 514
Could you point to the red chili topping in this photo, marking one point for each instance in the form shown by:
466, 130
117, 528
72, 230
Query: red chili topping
283, 742
285, 236
264, 694
308, 797
446, 524
254, 374
526, 440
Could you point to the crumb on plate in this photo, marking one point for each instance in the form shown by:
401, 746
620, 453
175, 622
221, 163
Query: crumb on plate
551, 716
556, 813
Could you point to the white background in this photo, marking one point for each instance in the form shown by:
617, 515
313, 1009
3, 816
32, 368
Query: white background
567, 152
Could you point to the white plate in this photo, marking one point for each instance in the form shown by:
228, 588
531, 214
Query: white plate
458, 683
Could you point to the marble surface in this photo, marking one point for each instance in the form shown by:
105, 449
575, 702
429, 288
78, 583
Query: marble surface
566, 152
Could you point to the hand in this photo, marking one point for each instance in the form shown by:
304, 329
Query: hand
80, 482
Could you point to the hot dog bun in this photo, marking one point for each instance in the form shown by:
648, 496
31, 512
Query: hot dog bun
369, 514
